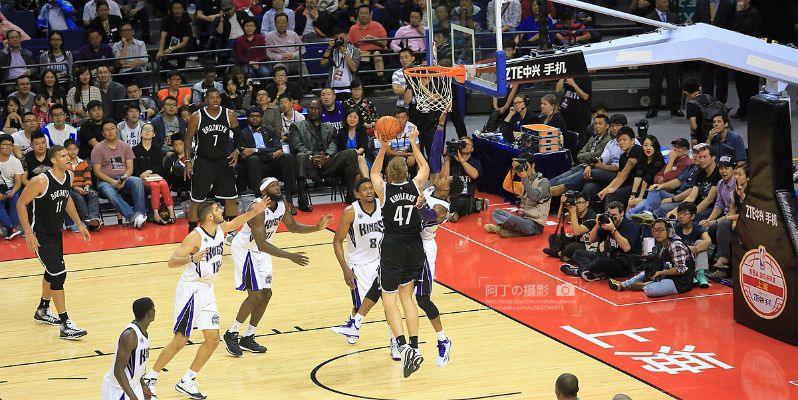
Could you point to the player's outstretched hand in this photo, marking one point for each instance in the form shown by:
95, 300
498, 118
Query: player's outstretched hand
33, 242
199, 256
299, 258
420, 200
414, 135
262, 203
85, 233
324, 221
349, 278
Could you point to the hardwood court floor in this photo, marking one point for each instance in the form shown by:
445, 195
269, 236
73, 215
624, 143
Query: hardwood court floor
493, 356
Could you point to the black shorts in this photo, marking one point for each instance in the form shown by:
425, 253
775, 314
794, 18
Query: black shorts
51, 253
401, 261
213, 174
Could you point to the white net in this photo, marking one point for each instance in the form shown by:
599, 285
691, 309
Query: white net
431, 90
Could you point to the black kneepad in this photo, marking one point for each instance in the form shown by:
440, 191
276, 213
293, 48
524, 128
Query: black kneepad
426, 304
56, 281
374, 292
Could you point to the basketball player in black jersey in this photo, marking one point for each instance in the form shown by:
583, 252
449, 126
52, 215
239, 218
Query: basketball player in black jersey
49, 194
401, 250
213, 165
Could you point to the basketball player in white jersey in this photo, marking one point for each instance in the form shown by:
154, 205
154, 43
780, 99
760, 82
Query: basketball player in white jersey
124, 380
361, 227
200, 256
436, 198
252, 250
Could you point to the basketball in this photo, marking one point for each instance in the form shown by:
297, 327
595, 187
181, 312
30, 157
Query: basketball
387, 128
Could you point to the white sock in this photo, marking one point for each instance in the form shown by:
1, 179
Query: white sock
189, 375
441, 335
234, 328
358, 320
152, 374
250, 330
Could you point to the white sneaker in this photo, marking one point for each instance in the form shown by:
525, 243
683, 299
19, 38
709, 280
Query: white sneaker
190, 389
349, 330
395, 350
411, 360
70, 331
139, 220
444, 348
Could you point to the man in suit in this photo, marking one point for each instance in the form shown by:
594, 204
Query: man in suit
317, 154
262, 151
669, 72
714, 78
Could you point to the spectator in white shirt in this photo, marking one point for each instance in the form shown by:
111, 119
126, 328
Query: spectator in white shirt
289, 115
59, 131
130, 128
90, 11
398, 81
278, 7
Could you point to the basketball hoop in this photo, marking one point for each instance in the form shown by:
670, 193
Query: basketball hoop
432, 86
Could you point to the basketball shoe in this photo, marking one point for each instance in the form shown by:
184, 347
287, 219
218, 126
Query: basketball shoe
444, 348
150, 383
70, 331
248, 343
190, 389
44, 315
411, 360
231, 344
350, 330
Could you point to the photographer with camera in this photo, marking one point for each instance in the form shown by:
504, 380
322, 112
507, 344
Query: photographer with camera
619, 244
344, 61
576, 213
533, 189
457, 162
672, 269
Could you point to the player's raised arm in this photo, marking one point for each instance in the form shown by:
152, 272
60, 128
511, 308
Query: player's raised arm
187, 251
376, 169
298, 227
344, 224
239, 221
423, 166
127, 344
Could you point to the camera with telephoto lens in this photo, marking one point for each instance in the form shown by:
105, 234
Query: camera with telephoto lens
604, 218
649, 264
569, 198
521, 165
454, 146
339, 42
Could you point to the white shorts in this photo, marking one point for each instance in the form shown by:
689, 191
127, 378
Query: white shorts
195, 308
365, 275
424, 285
252, 269
114, 392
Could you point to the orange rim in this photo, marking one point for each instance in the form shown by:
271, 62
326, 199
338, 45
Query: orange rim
457, 72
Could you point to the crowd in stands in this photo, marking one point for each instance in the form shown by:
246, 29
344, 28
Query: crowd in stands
127, 141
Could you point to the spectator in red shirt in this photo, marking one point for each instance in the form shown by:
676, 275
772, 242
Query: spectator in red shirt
247, 57
361, 34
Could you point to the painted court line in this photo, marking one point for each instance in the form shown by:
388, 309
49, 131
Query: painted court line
637, 303
526, 265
